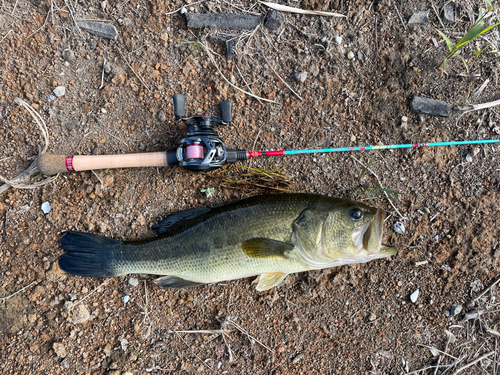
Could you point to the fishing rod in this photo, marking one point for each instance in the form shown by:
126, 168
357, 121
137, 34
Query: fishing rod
201, 150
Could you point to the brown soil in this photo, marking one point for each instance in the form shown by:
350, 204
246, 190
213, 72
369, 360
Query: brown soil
348, 320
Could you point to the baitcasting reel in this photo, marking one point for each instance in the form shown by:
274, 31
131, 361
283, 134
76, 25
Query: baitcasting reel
203, 150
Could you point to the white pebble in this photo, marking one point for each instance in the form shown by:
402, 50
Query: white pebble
60, 91
133, 281
46, 207
414, 296
125, 299
468, 158
350, 55
399, 227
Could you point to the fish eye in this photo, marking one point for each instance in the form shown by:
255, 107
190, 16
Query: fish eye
356, 213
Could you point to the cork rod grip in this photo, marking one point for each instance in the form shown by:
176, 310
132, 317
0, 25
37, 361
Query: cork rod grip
49, 165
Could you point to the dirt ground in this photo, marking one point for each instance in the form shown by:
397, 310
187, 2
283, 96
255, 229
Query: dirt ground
356, 319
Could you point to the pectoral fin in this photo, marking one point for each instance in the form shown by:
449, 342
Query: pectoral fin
175, 282
265, 248
270, 279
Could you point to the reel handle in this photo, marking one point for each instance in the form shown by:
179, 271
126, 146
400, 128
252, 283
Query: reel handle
225, 111
179, 106
50, 165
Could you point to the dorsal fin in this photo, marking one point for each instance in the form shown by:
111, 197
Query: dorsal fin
176, 218
265, 248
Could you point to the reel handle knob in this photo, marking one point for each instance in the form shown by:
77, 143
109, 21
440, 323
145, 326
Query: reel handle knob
225, 110
179, 103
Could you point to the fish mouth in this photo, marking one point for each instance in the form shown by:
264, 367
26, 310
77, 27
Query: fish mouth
372, 237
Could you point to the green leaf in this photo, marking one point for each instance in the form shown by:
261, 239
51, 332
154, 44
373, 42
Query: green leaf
449, 43
386, 190
488, 2
465, 63
489, 28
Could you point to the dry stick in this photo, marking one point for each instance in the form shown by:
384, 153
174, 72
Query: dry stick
19, 291
244, 80
102, 75
74, 21
32, 169
14, 9
209, 331
487, 289
477, 107
137, 75
281, 79
210, 368
89, 294
241, 329
400, 18
473, 362
8, 32
373, 173
212, 60
437, 15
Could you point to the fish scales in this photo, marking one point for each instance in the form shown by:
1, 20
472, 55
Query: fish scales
269, 236
203, 252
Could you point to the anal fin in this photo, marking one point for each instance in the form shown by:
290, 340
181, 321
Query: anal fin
175, 282
270, 279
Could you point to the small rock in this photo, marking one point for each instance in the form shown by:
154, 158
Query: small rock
183, 10
404, 119
420, 17
114, 372
228, 21
414, 296
455, 309
372, 317
274, 20
399, 227
337, 39
59, 349
475, 151
102, 29
352, 38
59, 91
162, 117
468, 158
350, 55
300, 77
133, 281
123, 343
68, 55
430, 106
46, 207
448, 13
79, 314
72, 124
125, 299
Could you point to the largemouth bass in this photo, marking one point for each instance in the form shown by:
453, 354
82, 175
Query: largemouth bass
267, 236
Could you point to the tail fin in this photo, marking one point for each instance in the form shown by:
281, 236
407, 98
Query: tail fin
87, 254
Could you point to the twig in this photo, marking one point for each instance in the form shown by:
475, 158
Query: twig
473, 362
89, 294
241, 329
210, 368
212, 60
137, 75
477, 107
487, 289
380, 183
17, 181
209, 331
281, 79
5, 36
74, 20
399, 15
102, 75
437, 14
14, 9
19, 291
246, 83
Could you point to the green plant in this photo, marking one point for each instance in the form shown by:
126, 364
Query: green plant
368, 190
476, 30
195, 43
